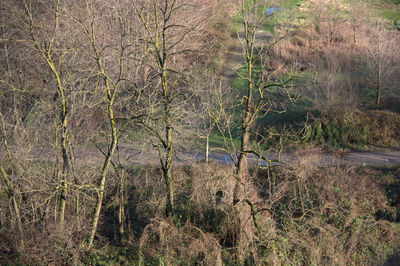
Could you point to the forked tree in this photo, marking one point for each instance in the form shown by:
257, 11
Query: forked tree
52, 47
261, 94
106, 28
169, 27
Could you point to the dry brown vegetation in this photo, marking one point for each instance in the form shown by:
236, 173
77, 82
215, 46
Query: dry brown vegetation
142, 75
306, 215
348, 53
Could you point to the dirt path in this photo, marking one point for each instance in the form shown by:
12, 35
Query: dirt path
235, 57
131, 156
375, 158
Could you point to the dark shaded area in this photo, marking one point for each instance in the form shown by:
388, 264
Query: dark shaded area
393, 260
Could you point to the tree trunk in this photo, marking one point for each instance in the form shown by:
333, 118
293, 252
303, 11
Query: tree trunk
166, 165
378, 92
121, 210
168, 147
15, 207
207, 148
245, 229
66, 163
169, 208
107, 161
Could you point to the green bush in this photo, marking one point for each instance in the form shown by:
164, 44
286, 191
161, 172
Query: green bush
354, 128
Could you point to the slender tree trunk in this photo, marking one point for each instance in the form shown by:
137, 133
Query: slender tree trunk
169, 208
378, 92
77, 201
166, 165
245, 230
106, 165
207, 148
121, 210
66, 163
15, 207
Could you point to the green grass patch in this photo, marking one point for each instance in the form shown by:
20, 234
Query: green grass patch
388, 10
295, 114
216, 140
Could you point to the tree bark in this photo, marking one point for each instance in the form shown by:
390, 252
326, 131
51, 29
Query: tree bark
207, 148
66, 163
104, 170
168, 148
378, 92
245, 230
15, 207
121, 209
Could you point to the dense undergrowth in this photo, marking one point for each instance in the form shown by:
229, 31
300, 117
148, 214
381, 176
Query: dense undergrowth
336, 129
354, 129
307, 215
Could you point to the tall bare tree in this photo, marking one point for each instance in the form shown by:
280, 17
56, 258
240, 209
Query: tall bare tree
108, 46
258, 99
381, 56
45, 40
11, 189
169, 27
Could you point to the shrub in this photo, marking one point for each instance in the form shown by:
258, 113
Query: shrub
353, 128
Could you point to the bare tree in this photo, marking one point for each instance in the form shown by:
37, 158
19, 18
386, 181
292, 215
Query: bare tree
358, 16
381, 56
109, 58
11, 190
46, 41
168, 30
257, 101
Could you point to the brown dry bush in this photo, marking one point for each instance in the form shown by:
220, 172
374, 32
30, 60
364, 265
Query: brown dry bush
329, 216
45, 242
306, 215
203, 196
163, 242
332, 66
